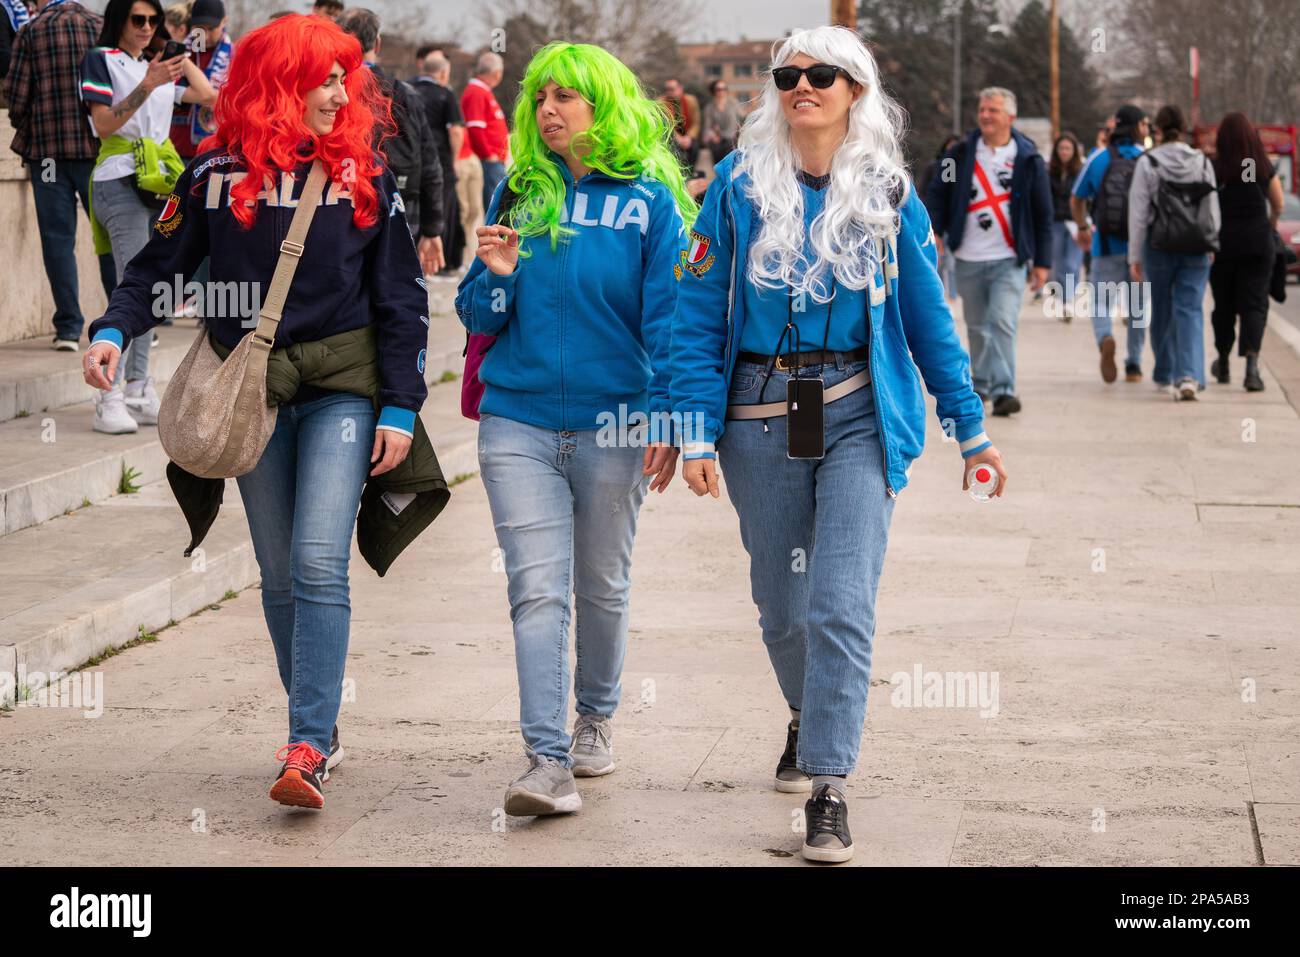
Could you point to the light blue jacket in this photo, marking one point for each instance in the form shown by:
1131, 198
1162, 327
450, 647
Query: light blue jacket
582, 329
910, 326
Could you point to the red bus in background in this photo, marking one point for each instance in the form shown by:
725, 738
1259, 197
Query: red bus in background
1279, 141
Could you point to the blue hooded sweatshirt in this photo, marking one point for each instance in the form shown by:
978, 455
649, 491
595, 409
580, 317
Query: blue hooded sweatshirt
910, 327
582, 329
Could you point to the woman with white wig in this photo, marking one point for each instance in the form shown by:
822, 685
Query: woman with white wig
809, 297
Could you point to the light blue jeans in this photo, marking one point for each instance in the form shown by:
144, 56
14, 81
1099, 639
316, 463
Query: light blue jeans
991, 294
301, 501
1110, 285
565, 510
815, 531
128, 220
1067, 257
1177, 313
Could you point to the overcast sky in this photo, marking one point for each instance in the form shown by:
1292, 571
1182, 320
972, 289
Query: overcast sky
718, 19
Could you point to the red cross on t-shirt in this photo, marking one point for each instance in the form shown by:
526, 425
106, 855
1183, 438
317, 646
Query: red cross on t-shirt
993, 202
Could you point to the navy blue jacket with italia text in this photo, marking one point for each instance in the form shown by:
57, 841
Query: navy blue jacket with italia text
348, 277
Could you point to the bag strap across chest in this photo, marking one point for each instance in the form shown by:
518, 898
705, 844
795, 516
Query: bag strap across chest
291, 250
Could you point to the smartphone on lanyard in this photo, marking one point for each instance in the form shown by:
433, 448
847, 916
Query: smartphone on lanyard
805, 423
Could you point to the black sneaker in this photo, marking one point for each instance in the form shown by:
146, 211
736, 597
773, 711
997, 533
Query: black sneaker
826, 827
789, 779
1005, 405
1219, 369
300, 780
337, 753
1132, 372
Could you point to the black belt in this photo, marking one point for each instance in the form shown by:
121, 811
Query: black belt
801, 360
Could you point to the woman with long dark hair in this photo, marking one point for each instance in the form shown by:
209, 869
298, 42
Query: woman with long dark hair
1250, 198
809, 314
1067, 255
299, 95
130, 92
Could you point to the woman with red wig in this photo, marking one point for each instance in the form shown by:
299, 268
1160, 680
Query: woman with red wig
298, 92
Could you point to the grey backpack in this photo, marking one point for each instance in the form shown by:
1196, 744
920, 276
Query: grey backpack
1182, 216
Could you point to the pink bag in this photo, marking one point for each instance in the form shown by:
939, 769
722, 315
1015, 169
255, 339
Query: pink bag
471, 386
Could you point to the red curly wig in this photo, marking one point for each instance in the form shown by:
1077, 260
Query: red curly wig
260, 110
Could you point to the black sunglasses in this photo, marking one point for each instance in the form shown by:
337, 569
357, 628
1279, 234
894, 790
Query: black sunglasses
820, 75
140, 20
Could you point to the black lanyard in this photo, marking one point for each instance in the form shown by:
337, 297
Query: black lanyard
792, 331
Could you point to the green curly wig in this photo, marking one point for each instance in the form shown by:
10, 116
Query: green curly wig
628, 138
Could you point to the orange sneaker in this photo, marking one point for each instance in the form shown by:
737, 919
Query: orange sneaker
302, 776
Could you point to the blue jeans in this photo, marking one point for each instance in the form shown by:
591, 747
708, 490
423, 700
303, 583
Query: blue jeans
991, 294
301, 501
129, 222
948, 273
815, 531
493, 173
565, 510
1113, 272
55, 193
1067, 257
1177, 313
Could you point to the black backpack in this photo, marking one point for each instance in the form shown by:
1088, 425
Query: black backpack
1110, 207
1181, 219
403, 149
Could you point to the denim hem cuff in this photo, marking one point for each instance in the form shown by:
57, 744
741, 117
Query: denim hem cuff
813, 769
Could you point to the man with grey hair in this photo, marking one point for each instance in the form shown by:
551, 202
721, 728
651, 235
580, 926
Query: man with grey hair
485, 123
992, 203
442, 112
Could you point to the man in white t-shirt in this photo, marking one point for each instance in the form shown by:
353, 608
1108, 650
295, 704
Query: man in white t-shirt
991, 202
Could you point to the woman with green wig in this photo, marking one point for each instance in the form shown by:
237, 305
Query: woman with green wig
576, 276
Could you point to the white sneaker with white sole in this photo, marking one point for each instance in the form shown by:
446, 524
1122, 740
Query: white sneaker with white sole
111, 415
142, 401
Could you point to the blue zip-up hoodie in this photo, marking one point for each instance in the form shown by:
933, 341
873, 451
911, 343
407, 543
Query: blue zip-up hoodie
910, 327
582, 329
1031, 199
348, 277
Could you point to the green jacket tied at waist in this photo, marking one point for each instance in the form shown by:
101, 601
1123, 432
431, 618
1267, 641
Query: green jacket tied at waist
395, 507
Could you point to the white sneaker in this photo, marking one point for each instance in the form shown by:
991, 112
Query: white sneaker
111, 415
1186, 390
142, 401
65, 345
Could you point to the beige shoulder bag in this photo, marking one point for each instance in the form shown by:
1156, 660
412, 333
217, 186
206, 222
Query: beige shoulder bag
214, 421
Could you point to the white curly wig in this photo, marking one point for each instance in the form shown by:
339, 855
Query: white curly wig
866, 170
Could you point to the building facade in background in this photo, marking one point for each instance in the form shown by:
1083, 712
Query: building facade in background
740, 64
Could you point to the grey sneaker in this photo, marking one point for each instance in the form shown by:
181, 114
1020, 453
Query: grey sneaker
545, 788
826, 816
593, 746
789, 778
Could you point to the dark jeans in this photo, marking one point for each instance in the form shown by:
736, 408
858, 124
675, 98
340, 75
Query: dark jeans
1240, 288
493, 173
55, 190
453, 237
